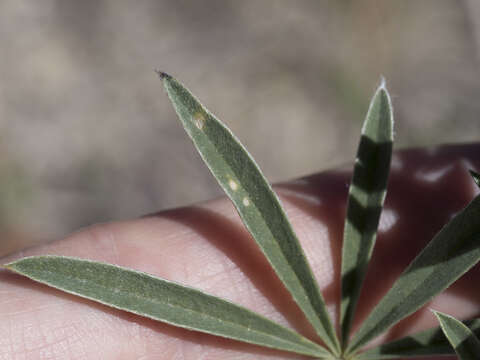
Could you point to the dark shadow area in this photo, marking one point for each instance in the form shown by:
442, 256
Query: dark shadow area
372, 160
369, 178
422, 204
327, 193
433, 338
469, 348
364, 219
237, 244
422, 208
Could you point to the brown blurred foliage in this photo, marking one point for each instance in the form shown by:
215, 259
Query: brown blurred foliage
88, 134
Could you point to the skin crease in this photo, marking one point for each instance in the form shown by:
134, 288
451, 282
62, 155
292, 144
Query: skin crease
206, 246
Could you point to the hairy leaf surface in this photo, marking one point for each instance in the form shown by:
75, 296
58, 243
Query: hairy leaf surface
365, 201
258, 206
161, 300
452, 252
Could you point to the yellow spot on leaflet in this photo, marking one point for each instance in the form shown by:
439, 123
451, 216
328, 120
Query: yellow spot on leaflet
233, 185
245, 201
199, 120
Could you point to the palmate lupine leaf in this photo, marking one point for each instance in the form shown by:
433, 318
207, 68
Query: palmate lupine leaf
258, 206
431, 342
452, 252
365, 201
462, 339
161, 300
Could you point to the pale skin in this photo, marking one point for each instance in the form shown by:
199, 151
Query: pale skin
205, 246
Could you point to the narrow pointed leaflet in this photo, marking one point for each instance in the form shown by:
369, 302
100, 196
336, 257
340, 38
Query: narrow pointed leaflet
365, 201
431, 342
451, 253
476, 177
462, 339
161, 300
258, 206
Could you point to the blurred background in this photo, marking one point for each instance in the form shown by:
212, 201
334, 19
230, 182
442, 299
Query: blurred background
88, 135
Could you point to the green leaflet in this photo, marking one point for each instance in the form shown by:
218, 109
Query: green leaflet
431, 342
162, 300
475, 176
452, 252
463, 340
258, 206
365, 201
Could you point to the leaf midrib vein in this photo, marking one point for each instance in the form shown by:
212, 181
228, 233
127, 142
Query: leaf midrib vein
176, 306
254, 202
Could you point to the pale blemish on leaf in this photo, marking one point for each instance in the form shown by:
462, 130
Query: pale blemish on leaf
246, 201
239, 175
199, 120
233, 185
